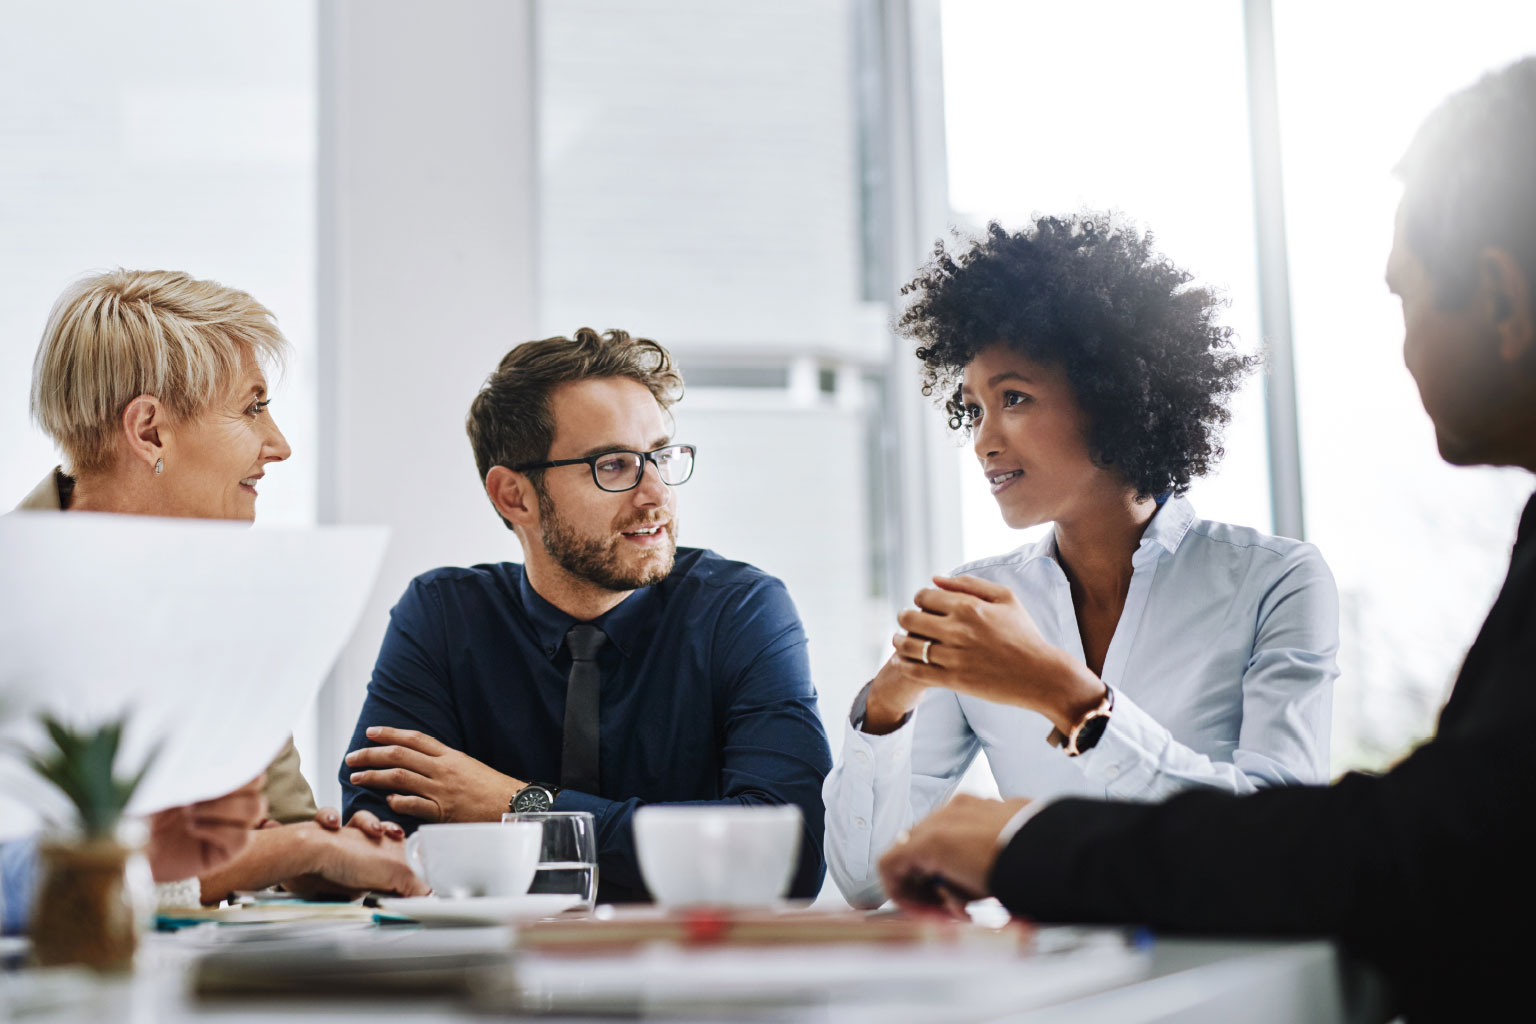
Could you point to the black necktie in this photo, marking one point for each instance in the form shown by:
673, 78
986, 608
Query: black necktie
578, 759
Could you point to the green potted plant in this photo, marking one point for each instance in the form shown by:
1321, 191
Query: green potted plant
86, 911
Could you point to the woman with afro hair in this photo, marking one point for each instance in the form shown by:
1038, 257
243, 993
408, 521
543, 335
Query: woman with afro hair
1137, 649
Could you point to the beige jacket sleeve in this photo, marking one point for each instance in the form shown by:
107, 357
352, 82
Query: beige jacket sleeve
289, 798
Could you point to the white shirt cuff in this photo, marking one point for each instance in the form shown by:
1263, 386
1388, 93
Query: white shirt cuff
1019, 820
857, 713
1124, 760
179, 895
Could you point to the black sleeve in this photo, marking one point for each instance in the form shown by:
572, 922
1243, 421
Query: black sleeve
409, 690
1421, 870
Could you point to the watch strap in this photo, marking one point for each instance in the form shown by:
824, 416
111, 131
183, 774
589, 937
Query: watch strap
1069, 740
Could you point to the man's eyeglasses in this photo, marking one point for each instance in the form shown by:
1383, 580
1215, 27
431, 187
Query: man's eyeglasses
622, 470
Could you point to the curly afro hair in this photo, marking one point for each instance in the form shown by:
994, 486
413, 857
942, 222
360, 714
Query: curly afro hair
1142, 351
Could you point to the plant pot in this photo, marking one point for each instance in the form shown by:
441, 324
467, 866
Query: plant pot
86, 912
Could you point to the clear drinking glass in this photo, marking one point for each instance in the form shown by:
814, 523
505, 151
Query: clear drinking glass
568, 857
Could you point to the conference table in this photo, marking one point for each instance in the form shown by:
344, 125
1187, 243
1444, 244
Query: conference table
1059, 974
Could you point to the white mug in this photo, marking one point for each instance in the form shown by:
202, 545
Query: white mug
730, 856
475, 858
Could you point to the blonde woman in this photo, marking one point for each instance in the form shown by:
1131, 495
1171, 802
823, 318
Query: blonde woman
153, 385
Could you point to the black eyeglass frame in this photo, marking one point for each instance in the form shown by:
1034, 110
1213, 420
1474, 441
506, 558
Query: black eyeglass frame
591, 462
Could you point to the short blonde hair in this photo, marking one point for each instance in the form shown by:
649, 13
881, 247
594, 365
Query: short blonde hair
114, 336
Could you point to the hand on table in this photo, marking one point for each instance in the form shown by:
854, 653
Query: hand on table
189, 840
349, 861
944, 862
430, 780
329, 818
981, 642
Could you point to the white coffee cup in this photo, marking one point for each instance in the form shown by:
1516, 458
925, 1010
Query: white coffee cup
719, 856
475, 858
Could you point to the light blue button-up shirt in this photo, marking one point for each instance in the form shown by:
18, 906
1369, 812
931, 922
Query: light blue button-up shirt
18, 880
1222, 664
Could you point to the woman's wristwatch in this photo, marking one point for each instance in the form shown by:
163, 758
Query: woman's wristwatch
1086, 733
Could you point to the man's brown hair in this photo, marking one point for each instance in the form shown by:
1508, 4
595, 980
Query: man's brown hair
510, 422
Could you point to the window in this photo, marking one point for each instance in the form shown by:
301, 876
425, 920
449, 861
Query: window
1418, 548
1047, 112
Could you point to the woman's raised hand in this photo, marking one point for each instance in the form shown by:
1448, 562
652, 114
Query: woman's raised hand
972, 636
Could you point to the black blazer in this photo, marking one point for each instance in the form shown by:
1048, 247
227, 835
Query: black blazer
1427, 871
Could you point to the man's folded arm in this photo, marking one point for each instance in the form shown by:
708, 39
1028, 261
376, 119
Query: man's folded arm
1370, 859
408, 690
614, 821
793, 774
773, 749
773, 754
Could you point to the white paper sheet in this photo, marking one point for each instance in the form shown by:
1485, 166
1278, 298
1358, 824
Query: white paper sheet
214, 637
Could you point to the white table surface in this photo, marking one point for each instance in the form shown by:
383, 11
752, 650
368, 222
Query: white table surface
1103, 980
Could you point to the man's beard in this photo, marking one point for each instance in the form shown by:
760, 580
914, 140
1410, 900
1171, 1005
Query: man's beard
597, 561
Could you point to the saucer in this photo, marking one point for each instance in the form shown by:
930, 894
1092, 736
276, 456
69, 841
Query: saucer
477, 910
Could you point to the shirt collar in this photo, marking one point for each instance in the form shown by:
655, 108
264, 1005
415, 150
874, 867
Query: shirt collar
625, 624
1166, 529
52, 495
1169, 525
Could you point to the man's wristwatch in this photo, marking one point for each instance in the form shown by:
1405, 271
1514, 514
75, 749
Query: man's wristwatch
534, 797
1086, 733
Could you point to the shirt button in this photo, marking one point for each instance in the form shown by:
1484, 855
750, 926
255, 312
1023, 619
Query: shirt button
860, 823
861, 756
1112, 772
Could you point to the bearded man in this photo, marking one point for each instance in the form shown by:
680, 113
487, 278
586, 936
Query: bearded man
611, 669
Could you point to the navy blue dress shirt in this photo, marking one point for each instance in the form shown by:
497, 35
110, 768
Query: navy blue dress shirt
706, 696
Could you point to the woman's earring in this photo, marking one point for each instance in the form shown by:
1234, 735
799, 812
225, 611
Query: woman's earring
159, 466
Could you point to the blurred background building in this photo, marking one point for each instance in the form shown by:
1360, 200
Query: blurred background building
415, 188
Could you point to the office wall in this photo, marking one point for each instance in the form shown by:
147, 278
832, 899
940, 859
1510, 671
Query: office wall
178, 135
426, 249
698, 174
702, 182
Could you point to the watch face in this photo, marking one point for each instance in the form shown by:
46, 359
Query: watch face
1088, 736
534, 798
